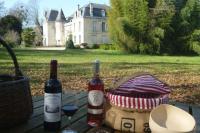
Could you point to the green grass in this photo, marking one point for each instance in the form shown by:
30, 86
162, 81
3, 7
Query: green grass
180, 72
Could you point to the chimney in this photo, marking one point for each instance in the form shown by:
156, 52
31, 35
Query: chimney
91, 9
78, 6
45, 14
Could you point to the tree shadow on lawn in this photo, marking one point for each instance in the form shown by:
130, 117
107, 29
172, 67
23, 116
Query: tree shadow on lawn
76, 75
82, 68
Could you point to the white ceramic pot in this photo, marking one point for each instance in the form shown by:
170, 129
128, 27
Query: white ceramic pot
170, 119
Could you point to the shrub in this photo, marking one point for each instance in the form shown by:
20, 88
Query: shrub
109, 47
12, 38
28, 37
84, 45
70, 44
77, 47
95, 46
195, 42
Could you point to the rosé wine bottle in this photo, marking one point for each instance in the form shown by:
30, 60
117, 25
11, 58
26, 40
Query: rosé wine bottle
95, 98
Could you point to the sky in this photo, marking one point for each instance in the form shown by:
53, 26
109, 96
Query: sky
68, 6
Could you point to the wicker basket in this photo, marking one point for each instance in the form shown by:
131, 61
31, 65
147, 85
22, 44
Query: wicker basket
15, 97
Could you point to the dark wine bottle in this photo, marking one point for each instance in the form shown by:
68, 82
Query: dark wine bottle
52, 100
95, 98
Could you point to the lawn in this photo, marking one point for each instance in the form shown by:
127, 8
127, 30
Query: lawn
75, 69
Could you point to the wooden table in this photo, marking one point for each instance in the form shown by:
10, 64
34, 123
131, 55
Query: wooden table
35, 124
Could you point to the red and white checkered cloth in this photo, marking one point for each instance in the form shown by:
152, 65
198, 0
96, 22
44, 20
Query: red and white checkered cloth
143, 92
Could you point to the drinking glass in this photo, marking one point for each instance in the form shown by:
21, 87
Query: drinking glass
69, 110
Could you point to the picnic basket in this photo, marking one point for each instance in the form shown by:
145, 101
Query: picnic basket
131, 100
15, 96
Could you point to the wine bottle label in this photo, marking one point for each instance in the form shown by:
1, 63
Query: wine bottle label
95, 111
52, 107
95, 97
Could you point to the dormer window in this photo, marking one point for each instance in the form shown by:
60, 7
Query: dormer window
81, 12
103, 13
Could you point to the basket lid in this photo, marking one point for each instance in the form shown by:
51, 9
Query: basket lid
143, 84
143, 92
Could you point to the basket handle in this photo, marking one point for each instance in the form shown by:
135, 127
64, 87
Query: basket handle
10, 51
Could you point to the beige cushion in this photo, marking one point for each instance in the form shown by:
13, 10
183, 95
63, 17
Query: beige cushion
170, 119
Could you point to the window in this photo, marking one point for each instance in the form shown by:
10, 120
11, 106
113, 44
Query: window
74, 39
74, 27
79, 26
45, 42
103, 13
81, 12
103, 27
94, 26
79, 39
58, 42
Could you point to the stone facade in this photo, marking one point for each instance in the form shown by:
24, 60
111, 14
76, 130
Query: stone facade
86, 25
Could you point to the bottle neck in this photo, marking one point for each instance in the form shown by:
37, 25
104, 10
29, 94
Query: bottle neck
96, 69
96, 75
53, 69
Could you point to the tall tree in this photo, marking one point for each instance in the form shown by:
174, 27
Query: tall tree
184, 23
20, 11
2, 8
115, 14
135, 23
128, 20
10, 23
11, 28
160, 19
34, 15
34, 19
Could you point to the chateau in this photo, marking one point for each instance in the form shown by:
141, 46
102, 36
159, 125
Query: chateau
87, 24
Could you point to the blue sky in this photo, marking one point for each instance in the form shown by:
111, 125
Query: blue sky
68, 6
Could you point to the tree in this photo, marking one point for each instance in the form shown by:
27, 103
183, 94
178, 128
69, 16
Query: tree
12, 38
28, 36
2, 8
20, 11
34, 14
195, 42
10, 23
184, 23
115, 15
155, 26
70, 43
160, 19
128, 20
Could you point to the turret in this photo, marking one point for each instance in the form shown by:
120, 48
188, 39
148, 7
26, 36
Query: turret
60, 21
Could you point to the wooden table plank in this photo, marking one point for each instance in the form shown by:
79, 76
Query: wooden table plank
37, 98
80, 113
40, 102
35, 124
196, 114
65, 100
81, 125
180, 105
38, 121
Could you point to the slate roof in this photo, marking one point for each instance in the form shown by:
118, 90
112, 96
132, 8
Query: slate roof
69, 19
51, 15
97, 9
61, 16
54, 15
